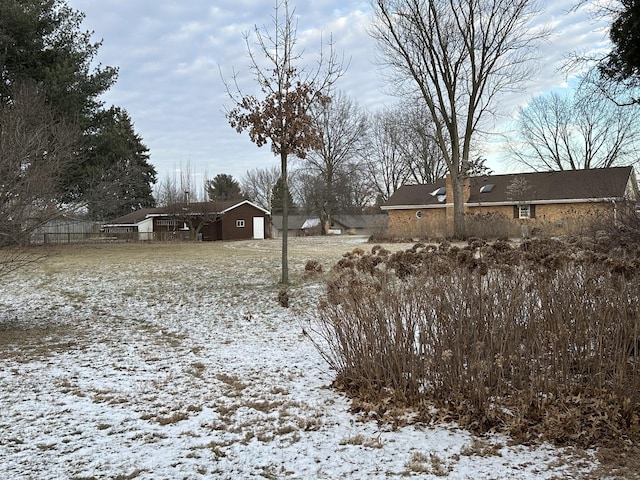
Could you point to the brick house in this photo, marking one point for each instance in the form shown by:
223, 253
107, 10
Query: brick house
550, 203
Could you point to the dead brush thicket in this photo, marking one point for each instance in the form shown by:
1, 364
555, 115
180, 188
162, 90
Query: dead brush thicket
539, 341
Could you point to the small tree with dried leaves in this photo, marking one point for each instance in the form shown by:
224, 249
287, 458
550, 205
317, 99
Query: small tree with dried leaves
282, 116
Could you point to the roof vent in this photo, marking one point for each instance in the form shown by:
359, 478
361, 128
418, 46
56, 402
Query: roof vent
487, 188
438, 192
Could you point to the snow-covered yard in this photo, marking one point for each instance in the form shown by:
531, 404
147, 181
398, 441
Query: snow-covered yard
175, 361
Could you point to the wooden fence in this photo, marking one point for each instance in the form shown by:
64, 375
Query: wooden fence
91, 232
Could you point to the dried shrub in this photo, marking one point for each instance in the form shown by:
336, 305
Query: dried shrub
488, 225
313, 266
283, 298
380, 251
541, 342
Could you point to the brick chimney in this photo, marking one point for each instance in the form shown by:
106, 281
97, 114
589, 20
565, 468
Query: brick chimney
449, 188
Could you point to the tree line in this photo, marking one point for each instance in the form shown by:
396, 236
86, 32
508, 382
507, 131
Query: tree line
61, 147
448, 61
453, 60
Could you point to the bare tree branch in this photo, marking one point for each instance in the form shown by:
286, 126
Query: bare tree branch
342, 126
35, 149
576, 131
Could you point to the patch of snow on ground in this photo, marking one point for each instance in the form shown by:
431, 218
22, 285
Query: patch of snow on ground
157, 368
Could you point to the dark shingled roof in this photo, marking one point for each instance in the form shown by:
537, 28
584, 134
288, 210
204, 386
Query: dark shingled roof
295, 222
563, 186
415, 195
219, 206
136, 217
362, 221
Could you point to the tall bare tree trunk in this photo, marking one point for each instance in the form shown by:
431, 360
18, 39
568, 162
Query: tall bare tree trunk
458, 56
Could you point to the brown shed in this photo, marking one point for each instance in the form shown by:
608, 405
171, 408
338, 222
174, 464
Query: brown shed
208, 221
237, 221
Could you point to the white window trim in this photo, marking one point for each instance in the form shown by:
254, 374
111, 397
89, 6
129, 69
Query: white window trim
524, 210
239, 223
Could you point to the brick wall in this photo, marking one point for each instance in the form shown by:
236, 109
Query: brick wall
409, 224
552, 219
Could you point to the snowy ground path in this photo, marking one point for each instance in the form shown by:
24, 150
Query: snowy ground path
176, 362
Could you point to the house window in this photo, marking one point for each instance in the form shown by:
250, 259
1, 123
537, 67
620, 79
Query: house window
525, 210
240, 223
166, 223
419, 214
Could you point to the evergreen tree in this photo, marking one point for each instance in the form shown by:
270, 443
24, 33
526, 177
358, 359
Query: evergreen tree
623, 63
117, 177
41, 41
41, 44
277, 197
223, 187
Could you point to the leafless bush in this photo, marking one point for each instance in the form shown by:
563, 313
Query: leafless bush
312, 269
35, 149
539, 342
625, 231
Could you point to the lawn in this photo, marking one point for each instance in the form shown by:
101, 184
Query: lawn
176, 361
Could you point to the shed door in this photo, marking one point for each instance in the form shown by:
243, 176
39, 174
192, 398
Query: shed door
258, 228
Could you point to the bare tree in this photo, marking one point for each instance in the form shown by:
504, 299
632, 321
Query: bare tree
456, 56
36, 147
351, 191
181, 186
184, 197
402, 149
576, 131
418, 144
383, 157
307, 189
258, 185
520, 190
343, 127
283, 116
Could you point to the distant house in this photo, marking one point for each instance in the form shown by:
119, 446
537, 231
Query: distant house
359, 224
298, 225
207, 221
552, 203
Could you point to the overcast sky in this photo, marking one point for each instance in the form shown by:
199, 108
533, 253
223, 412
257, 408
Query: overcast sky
170, 54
